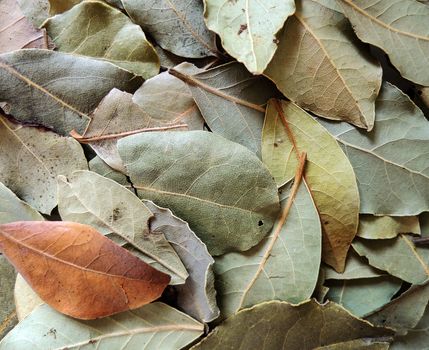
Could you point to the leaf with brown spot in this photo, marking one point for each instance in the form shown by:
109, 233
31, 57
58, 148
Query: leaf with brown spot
77, 270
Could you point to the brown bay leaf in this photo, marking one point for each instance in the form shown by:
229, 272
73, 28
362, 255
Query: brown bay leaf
280, 325
32, 158
321, 66
92, 276
55, 89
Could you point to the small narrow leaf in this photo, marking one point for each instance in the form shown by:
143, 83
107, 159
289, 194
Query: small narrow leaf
219, 187
382, 227
154, 326
321, 66
248, 28
79, 272
93, 28
32, 158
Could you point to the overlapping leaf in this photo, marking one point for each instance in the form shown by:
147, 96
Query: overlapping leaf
57, 90
322, 67
329, 175
32, 158
390, 162
8, 317
382, 227
248, 28
399, 27
220, 188
25, 298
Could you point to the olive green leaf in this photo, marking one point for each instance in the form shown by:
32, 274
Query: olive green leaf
399, 27
154, 326
288, 130
404, 312
231, 101
219, 187
280, 325
177, 26
97, 165
13, 209
57, 90
248, 28
382, 227
321, 66
91, 199
390, 162
362, 296
32, 158
425, 95
25, 298
197, 297
93, 28
398, 256
16, 31
356, 268
284, 266
8, 317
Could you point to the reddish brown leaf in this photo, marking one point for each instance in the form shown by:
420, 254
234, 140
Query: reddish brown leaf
77, 270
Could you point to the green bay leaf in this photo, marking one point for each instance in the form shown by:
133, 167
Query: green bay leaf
219, 187
382, 227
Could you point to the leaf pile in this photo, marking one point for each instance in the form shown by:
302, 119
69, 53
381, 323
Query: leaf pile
210, 174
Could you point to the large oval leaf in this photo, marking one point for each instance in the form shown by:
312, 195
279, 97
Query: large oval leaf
399, 27
95, 29
31, 159
57, 90
395, 177
288, 130
219, 187
321, 67
248, 28
77, 270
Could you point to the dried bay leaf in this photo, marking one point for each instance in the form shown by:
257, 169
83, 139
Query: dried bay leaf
404, 312
248, 28
362, 296
219, 187
284, 266
18, 32
32, 158
93, 277
93, 28
13, 209
398, 256
359, 344
97, 165
154, 326
320, 66
26, 299
8, 317
55, 89
197, 297
280, 325
398, 27
390, 162
288, 130
231, 101
382, 227
175, 25
94, 200
35, 10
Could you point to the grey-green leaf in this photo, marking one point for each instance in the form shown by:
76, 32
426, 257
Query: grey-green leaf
362, 296
197, 297
8, 317
280, 325
31, 158
231, 101
382, 227
177, 26
94, 28
13, 209
55, 89
398, 256
92, 199
152, 327
219, 187
248, 28
390, 162
97, 165
284, 266
399, 27
323, 68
